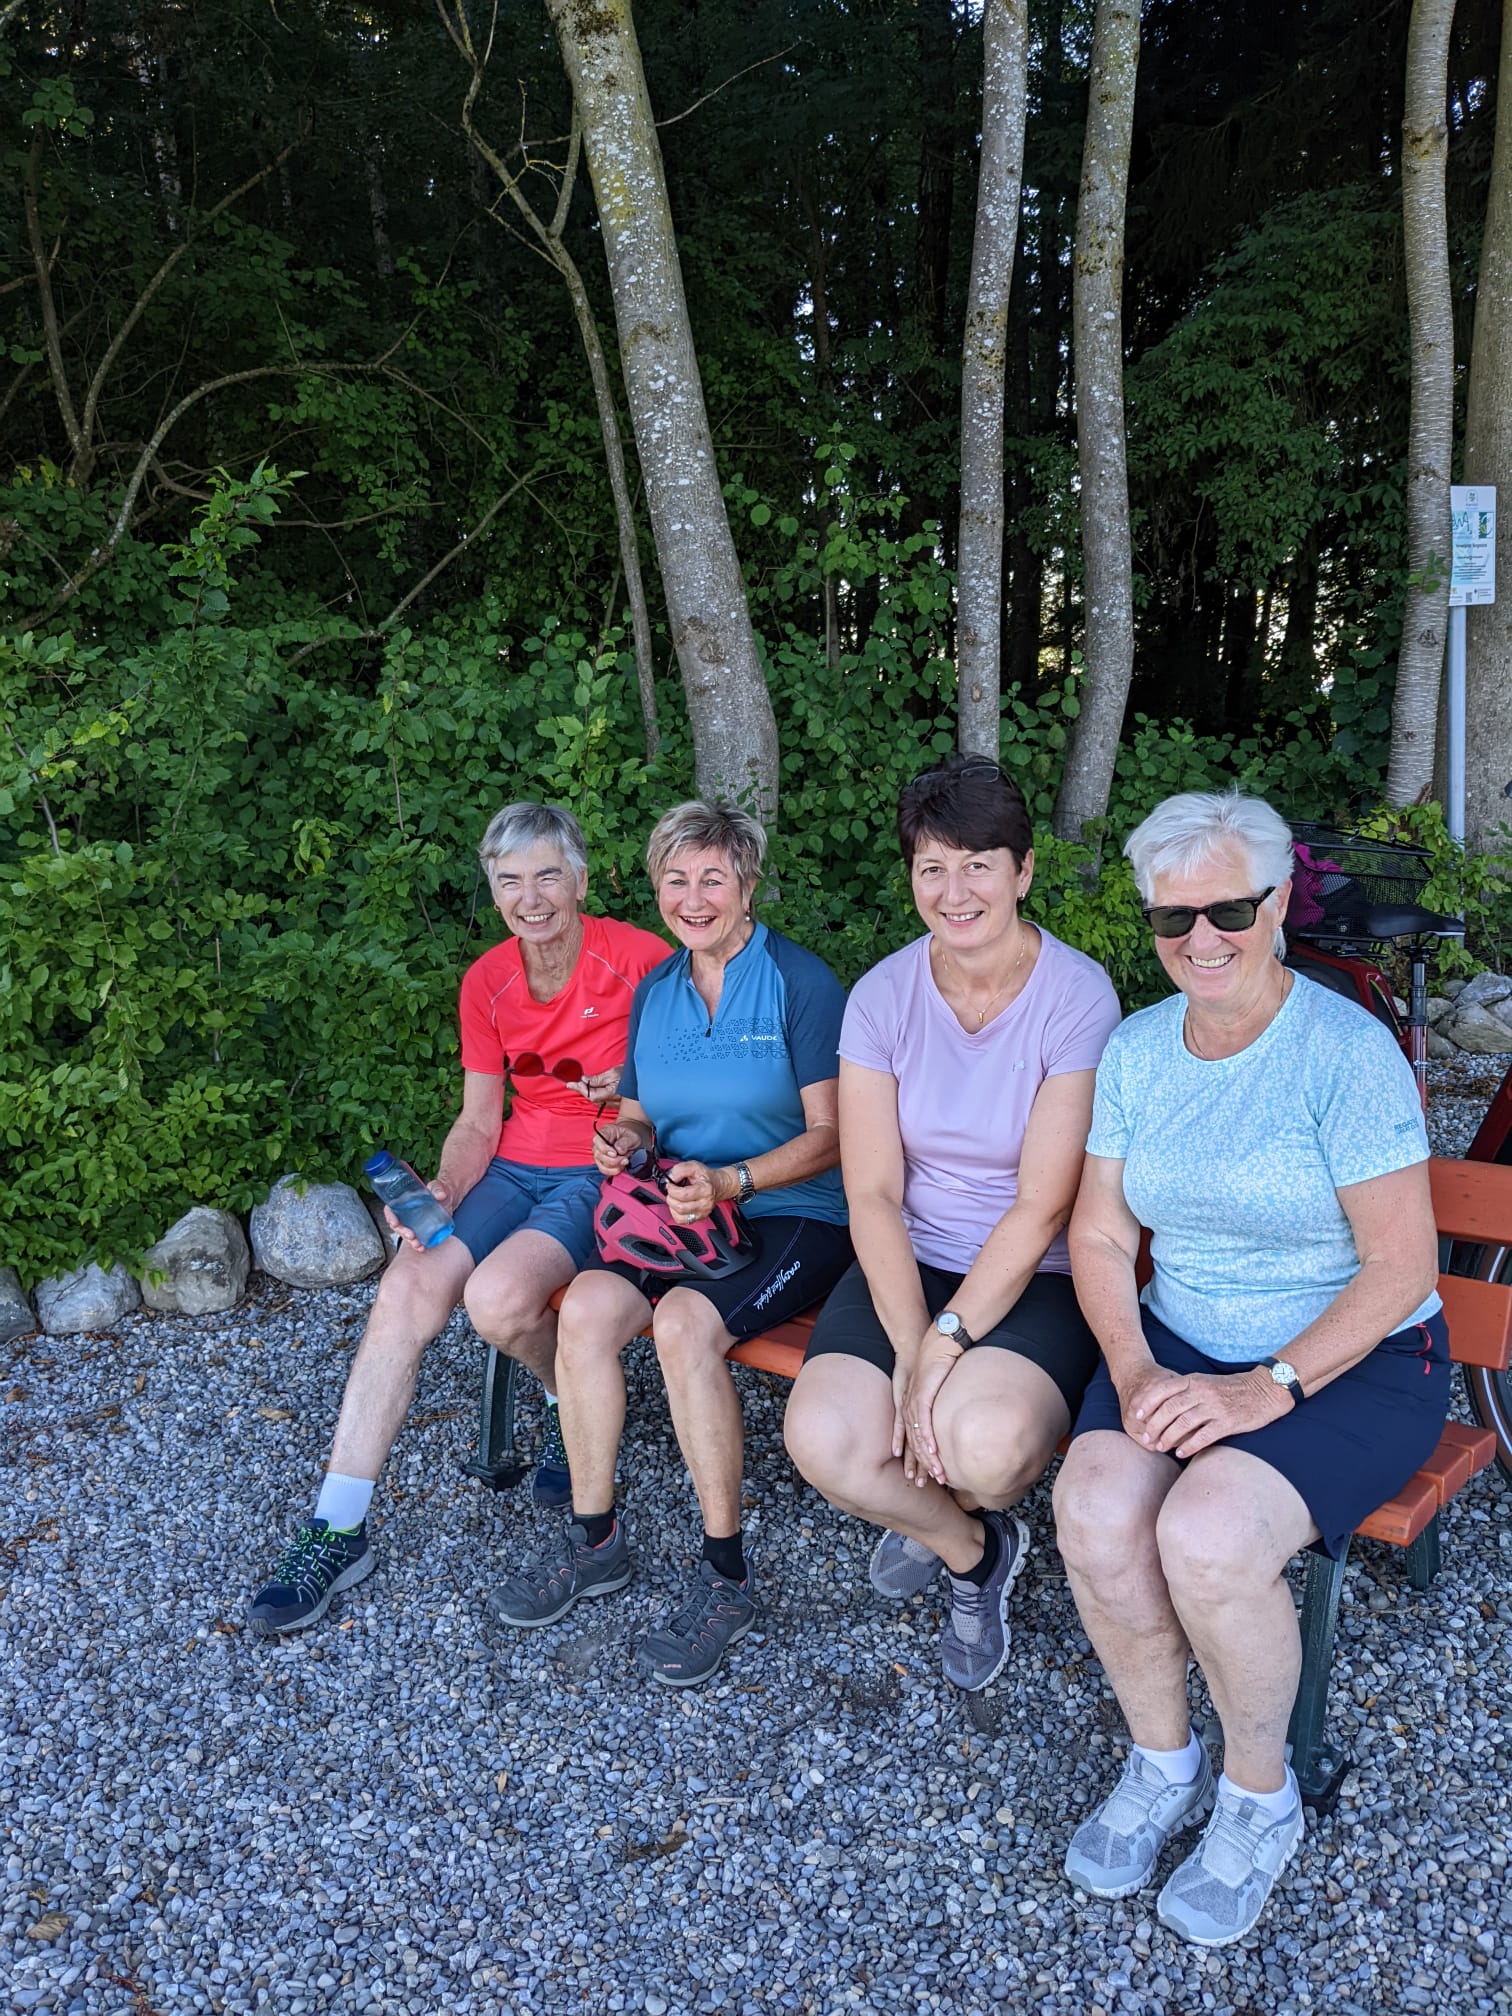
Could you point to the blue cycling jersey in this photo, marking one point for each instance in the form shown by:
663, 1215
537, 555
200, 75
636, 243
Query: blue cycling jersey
726, 1090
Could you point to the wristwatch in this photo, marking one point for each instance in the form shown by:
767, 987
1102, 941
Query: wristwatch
950, 1325
1285, 1376
747, 1183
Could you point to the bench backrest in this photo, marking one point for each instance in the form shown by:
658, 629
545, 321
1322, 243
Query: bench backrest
1472, 1204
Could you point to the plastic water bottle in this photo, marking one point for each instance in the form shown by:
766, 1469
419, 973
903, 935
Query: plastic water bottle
407, 1197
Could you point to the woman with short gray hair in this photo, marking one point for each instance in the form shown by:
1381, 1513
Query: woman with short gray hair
546, 1013
1284, 1372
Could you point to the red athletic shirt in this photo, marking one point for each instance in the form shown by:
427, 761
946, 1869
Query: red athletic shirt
549, 1127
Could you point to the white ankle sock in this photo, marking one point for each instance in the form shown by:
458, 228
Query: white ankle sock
1280, 1805
1178, 1767
343, 1501
551, 1398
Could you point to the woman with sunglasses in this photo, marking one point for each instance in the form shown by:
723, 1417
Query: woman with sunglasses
546, 1011
1284, 1372
730, 1077
951, 1359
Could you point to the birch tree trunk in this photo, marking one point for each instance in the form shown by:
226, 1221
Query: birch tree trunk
984, 356
734, 730
1097, 332
1488, 459
1430, 432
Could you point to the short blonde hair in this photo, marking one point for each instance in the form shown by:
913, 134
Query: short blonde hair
693, 827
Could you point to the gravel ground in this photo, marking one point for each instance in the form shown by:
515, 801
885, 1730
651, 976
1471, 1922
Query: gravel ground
409, 1809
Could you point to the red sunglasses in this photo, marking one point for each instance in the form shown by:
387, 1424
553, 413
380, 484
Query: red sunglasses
528, 1065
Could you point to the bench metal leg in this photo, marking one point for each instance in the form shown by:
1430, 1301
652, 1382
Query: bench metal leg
496, 1464
1423, 1555
1320, 1770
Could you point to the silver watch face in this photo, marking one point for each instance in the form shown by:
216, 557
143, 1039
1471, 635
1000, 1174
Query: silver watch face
948, 1324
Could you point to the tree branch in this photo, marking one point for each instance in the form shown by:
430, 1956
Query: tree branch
42, 267
467, 539
144, 299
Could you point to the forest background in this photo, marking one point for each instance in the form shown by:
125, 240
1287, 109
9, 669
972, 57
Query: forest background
309, 558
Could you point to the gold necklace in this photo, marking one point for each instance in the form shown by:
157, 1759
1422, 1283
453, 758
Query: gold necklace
981, 1013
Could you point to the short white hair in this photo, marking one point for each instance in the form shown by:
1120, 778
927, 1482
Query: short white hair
1185, 831
525, 824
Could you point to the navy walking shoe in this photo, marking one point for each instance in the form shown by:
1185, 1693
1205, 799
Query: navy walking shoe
316, 1565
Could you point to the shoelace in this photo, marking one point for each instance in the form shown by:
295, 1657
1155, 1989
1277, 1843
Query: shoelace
967, 1605
1234, 1841
307, 1556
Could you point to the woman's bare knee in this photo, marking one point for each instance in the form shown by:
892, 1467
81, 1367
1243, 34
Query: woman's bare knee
686, 1326
990, 1458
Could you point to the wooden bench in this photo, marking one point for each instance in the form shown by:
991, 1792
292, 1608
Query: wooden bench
1472, 1204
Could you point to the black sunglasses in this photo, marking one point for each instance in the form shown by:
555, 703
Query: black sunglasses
640, 1161
1174, 920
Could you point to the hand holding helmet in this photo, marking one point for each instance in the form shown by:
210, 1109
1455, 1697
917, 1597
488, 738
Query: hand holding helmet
694, 1189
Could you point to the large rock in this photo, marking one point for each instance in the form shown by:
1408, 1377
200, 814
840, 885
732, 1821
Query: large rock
321, 1239
86, 1299
1478, 1029
16, 1317
1438, 1008
1440, 1046
1484, 991
204, 1259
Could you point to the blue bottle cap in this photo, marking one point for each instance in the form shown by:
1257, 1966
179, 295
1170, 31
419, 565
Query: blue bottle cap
376, 1164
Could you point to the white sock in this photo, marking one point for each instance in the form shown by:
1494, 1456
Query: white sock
1280, 1805
343, 1501
551, 1398
1177, 1767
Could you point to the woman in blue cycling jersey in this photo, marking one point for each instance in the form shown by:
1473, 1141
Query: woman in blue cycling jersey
732, 1073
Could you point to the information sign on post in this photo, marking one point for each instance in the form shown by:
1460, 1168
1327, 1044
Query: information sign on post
1472, 580
1472, 576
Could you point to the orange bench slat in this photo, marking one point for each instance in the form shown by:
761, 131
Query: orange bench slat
1479, 1315
1478, 1443
1400, 1520
1472, 1200
1448, 1470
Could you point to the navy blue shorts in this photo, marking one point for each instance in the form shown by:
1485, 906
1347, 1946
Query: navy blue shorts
1346, 1448
798, 1261
516, 1197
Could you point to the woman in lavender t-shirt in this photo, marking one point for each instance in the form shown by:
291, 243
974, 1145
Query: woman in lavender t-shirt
952, 1357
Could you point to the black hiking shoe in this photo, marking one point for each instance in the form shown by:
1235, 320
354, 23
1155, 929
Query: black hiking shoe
552, 1580
692, 1645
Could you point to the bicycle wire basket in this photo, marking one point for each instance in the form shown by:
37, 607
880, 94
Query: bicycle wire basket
1341, 877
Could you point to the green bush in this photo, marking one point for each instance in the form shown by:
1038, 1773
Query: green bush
238, 879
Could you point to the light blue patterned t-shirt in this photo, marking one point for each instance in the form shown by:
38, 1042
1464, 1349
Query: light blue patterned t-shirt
1234, 1164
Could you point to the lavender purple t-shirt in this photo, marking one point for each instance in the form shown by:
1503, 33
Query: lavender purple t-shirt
964, 1096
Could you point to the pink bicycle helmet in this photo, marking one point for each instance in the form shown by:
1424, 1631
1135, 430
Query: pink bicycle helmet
633, 1223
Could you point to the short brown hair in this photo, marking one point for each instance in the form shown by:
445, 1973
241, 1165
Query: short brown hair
966, 801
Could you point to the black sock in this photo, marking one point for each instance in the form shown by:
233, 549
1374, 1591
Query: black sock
726, 1557
990, 1551
597, 1526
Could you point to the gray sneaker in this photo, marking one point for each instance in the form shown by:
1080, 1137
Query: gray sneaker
552, 1581
974, 1644
691, 1646
901, 1567
1114, 1851
1220, 1890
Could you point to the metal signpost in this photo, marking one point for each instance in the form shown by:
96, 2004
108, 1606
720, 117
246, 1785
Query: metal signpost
1472, 579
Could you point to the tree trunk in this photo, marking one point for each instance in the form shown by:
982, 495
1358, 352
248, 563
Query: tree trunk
1005, 90
1097, 319
734, 730
1488, 459
1430, 433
